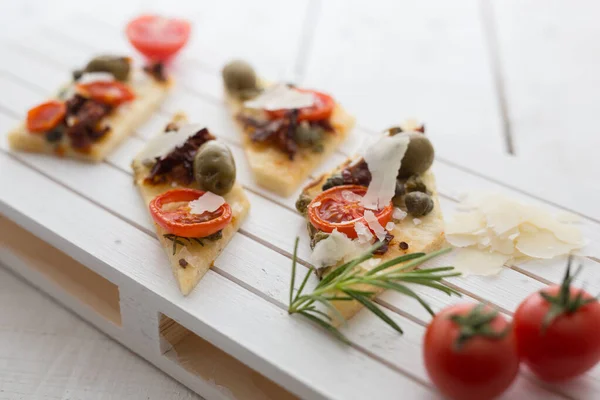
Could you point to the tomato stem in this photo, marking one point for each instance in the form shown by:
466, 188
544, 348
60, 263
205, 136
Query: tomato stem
476, 323
564, 302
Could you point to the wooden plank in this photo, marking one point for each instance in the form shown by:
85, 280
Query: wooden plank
401, 59
260, 339
549, 56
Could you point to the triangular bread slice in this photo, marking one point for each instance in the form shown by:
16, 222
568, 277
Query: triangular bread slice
198, 256
123, 122
272, 168
423, 235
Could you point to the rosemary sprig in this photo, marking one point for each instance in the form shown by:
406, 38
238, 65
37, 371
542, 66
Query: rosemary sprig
178, 240
348, 282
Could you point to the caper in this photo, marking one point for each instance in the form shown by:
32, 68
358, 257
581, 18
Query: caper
77, 74
418, 204
415, 184
397, 199
308, 136
117, 66
302, 203
320, 235
214, 167
419, 155
332, 181
239, 77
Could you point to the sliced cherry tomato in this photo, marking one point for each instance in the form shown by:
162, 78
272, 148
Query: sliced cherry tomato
158, 38
558, 339
322, 109
46, 116
339, 208
470, 352
180, 221
112, 93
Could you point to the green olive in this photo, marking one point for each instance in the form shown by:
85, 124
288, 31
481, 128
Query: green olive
308, 136
239, 78
214, 167
119, 67
302, 203
419, 155
418, 204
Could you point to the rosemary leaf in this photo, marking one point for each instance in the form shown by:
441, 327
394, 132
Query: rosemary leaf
404, 290
293, 280
375, 310
394, 261
327, 326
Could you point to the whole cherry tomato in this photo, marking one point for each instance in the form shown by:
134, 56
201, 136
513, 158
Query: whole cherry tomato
158, 38
558, 331
470, 352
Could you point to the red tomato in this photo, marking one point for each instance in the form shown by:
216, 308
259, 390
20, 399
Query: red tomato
158, 38
180, 221
483, 366
333, 209
564, 346
46, 116
112, 93
322, 109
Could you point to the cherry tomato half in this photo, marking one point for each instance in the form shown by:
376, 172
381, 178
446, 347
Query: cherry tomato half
180, 221
158, 38
46, 116
339, 208
566, 347
112, 93
322, 109
481, 367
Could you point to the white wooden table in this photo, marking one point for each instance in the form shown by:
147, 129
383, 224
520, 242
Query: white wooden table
487, 80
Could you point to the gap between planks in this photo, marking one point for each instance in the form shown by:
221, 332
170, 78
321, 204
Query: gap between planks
488, 22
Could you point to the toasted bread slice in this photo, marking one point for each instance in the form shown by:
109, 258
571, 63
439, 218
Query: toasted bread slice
123, 121
272, 168
426, 236
197, 257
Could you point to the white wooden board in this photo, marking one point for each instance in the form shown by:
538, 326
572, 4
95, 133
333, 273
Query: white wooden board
93, 212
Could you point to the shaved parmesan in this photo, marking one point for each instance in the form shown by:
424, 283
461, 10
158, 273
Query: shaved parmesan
161, 145
472, 261
208, 202
375, 226
399, 214
417, 221
89, 77
390, 226
351, 197
543, 244
363, 233
383, 159
335, 248
281, 97
495, 228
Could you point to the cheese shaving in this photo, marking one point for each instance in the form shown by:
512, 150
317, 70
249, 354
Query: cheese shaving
375, 226
89, 77
383, 158
417, 221
390, 226
399, 214
351, 197
208, 202
335, 248
363, 233
495, 228
281, 97
161, 145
